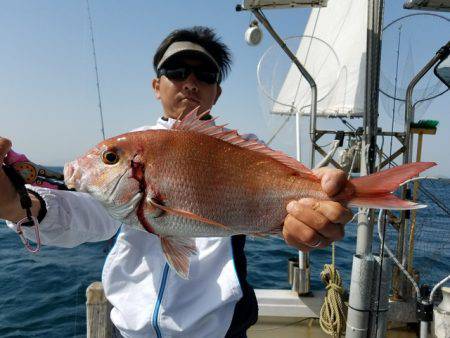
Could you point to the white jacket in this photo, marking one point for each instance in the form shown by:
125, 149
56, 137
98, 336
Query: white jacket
149, 299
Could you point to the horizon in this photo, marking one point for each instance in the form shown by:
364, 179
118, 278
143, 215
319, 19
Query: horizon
48, 91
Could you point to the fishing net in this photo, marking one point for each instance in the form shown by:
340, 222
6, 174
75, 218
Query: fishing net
277, 100
432, 234
429, 252
401, 61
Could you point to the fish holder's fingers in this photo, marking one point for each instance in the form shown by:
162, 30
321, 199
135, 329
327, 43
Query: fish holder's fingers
335, 212
332, 180
298, 233
309, 212
5, 147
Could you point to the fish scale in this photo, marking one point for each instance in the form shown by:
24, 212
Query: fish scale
198, 180
237, 206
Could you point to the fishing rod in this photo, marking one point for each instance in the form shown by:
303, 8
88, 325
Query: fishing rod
94, 55
34, 174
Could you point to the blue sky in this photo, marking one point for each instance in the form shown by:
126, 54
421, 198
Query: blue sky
48, 99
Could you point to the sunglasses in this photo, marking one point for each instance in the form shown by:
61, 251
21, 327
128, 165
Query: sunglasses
181, 73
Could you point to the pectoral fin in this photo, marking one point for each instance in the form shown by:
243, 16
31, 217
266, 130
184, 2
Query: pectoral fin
187, 214
177, 251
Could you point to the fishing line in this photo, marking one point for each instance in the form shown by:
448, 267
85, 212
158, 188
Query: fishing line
94, 54
279, 129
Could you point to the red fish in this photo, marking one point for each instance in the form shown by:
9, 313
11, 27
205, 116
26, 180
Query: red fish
202, 180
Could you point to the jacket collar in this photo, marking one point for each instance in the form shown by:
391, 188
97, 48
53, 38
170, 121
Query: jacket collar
165, 122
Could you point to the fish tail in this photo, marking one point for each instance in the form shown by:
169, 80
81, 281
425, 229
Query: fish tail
375, 191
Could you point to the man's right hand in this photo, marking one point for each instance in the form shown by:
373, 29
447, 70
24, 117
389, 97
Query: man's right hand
10, 208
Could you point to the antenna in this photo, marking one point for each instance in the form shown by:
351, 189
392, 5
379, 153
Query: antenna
96, 70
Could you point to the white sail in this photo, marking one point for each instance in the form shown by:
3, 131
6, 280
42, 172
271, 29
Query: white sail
333, 50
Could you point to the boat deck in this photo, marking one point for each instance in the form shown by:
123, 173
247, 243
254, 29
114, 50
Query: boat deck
272, 327
283, 314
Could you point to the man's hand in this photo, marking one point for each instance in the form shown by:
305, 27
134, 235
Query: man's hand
8, 195
10, 208
314, 224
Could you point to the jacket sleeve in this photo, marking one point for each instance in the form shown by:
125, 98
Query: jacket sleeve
72, 218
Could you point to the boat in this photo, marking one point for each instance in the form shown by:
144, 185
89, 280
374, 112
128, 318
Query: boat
296, 312
353, 32
380, 303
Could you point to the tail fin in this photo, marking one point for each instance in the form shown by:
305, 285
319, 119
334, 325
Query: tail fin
375, 191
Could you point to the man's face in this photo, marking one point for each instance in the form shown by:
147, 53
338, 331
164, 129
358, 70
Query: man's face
181, 96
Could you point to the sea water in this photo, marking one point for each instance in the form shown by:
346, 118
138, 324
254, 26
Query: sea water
43, 295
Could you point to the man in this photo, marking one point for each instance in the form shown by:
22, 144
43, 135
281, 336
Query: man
149, 299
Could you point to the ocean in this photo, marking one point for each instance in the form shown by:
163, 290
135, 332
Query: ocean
43, 295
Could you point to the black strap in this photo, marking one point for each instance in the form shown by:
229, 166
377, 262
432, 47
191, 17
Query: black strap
25, 200
43, 206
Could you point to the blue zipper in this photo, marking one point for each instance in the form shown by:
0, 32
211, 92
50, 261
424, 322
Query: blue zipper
158, 301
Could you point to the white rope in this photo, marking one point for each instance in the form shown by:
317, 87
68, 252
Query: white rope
332, 316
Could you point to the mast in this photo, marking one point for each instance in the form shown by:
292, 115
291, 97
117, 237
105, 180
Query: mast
358, 321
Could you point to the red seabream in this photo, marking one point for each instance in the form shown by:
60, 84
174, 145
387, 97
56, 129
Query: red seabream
202, 180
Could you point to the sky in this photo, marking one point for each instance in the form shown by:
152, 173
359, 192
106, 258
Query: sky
48, 97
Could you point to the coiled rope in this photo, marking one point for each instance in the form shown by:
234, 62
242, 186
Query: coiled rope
332, 317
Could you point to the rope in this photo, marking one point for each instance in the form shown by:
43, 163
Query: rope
332, 313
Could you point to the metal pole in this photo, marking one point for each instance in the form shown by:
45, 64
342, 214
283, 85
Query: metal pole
409, 109
368, 156
409, 113
380, 296
410, 261
423, 329
359, 302
303, 262
297, 134
304, 272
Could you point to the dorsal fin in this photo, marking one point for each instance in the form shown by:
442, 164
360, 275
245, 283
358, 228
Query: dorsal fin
194, 122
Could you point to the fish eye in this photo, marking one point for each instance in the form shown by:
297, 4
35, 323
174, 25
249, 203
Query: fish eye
110, 157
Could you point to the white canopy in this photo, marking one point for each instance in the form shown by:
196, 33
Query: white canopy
333, 50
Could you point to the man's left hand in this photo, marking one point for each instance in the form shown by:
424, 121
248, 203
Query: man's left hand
314, 224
